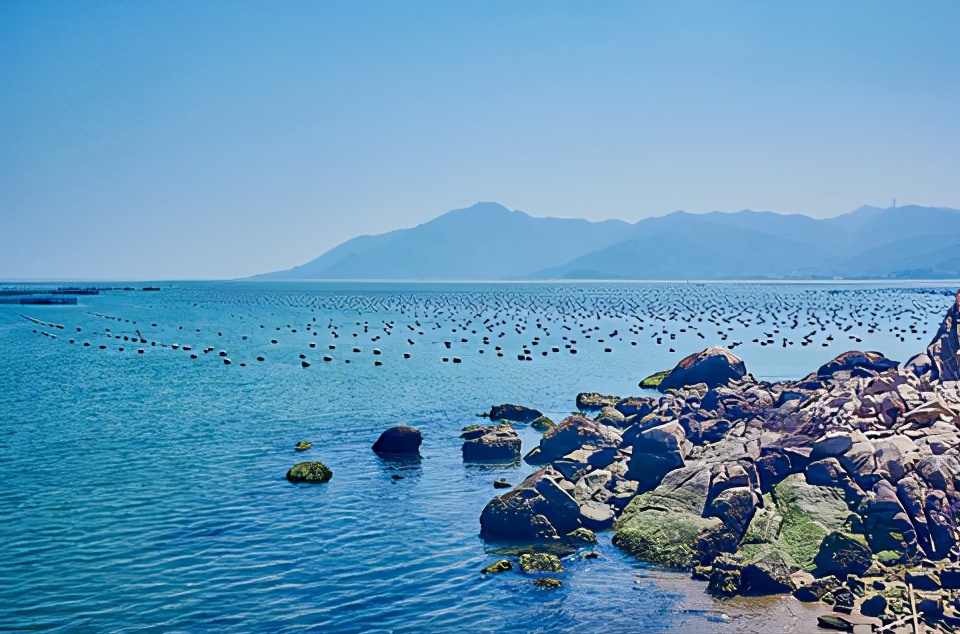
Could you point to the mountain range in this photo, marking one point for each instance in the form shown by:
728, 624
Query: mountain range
489, 242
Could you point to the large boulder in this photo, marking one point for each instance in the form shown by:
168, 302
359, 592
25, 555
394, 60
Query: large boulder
808, 513
666, 526
842, 554
767, 571
656, 452
714, 366
515, 413
536, 510
571, 434
854, 359
399, 440
499, 444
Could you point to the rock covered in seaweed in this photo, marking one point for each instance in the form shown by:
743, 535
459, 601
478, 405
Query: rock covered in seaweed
312, 472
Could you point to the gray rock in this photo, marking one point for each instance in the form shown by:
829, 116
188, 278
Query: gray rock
713, 366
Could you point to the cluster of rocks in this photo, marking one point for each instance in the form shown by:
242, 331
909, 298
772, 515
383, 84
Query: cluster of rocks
842, 487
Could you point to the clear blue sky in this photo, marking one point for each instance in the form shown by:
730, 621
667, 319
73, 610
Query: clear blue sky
176, 140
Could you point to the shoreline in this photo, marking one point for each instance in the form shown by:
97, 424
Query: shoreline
840, 488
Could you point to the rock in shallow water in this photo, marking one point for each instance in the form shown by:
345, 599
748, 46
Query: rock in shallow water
540, 562
312, 472
499, 444
399, 440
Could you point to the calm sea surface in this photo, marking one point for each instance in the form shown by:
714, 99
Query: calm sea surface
146, 491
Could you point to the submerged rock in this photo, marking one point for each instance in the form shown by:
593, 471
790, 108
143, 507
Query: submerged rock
547, 582
540, 562
312, 472
501, 566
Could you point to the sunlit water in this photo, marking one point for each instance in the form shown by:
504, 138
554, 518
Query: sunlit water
147, 491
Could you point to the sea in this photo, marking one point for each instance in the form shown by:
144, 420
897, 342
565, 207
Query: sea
142, 484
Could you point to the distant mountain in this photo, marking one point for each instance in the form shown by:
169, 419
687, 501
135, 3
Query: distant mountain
487, 241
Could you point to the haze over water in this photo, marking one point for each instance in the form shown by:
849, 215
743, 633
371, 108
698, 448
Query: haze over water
147, 491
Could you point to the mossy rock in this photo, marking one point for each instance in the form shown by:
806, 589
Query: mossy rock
653, 381
889, 557
542, 423
540, 562
665, 527
582, 536
303, 445
501, 566
547, 582
809, 513
312, 472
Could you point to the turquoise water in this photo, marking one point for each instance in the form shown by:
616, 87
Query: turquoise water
147, 491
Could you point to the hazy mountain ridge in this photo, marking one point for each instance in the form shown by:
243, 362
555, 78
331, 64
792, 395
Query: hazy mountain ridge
489, 242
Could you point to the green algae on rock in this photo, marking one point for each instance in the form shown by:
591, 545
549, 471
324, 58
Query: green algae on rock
653, 381
303, 445
540, 562
542, 423
312, 472
547, 582
501, 566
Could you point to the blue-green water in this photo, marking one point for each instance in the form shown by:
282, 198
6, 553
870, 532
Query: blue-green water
147, 491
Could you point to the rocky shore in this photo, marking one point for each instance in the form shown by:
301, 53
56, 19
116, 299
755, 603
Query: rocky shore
842, 487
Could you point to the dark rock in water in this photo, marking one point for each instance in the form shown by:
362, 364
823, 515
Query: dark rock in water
501, 484
516, 413
536, 510
547, 582
498, 444
540, 562
501, 566
313, 472
653, 381
841, 555
303, 445
399, 440
591, 401
848, 361
714, 366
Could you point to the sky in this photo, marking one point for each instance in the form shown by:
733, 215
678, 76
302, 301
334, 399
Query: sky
210, 140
